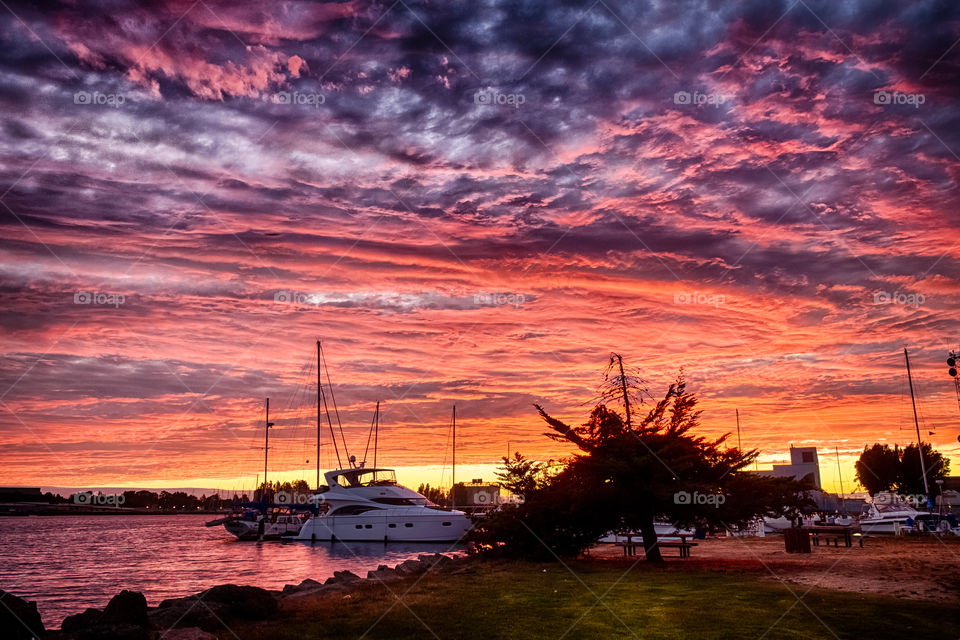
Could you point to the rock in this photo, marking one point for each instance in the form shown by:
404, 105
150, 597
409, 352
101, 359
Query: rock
383, 574
187, 612
303, 586
19, 618
436, 561
80, 621
315, 592
126, 608
250, 603
212, 609
411, 568
125, 618
189, 633
345, 578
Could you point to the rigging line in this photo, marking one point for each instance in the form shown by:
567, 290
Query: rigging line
333, 397
333, 438
369, 434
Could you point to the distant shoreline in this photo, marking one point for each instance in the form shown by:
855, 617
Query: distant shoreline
95, 512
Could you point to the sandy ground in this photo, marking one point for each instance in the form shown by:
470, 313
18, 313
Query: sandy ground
924, 568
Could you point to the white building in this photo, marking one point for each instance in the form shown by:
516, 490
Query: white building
803, 463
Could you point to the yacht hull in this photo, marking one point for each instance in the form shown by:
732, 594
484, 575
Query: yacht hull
390, 527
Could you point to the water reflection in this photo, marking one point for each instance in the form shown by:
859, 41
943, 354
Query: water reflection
69, 563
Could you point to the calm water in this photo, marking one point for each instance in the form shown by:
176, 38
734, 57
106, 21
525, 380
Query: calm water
68, 563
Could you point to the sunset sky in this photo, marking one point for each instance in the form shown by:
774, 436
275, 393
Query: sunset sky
471, 203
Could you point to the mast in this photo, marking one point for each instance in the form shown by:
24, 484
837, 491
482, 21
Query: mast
916, 422
318, 415
376, 433
266, 450
843, 504
453, 489
739, 445
333, 437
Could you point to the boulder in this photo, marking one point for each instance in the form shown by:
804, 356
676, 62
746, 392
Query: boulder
345, 578
411, 568
383, 574
303, 586
188, 612
80, 621
19, 618
127, 607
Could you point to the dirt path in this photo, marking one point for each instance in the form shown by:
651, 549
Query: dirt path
915, 568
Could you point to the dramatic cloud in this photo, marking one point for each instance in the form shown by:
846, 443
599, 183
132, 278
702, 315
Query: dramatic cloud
471, 203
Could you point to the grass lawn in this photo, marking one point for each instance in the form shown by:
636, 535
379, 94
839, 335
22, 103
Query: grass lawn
528, 600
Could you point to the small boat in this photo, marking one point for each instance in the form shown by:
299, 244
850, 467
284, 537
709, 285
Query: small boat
253, 525
369, 505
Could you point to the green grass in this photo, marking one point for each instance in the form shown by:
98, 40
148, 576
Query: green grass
528, 600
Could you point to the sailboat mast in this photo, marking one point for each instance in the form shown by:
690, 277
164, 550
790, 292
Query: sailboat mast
318, 415
266, 450
843, 504
376, 433
739, 444
916, 422
453, 489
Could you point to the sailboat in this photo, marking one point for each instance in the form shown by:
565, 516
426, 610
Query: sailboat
368, 504
263, 521
891, 513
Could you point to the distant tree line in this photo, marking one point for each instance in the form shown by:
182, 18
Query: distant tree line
882, 468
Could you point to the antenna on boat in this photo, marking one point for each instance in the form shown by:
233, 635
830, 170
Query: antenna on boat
923, 465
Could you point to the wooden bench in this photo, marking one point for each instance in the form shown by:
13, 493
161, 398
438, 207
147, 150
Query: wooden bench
630, 547
831, 533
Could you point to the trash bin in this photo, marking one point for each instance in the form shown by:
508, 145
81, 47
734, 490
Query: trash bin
796, 540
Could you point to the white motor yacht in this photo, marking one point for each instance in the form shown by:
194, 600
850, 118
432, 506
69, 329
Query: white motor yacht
887, 513
369, 505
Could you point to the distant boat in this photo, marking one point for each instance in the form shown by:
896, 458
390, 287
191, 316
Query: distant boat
368, 505
270, 526
890, 513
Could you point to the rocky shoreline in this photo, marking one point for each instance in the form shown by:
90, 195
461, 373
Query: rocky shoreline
198, 616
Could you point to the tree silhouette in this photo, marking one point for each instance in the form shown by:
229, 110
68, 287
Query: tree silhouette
878, 468
909, 479
628, 475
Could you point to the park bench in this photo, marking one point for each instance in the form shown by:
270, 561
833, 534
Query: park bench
630, 547
836, 534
